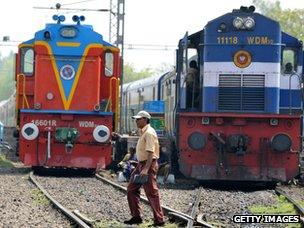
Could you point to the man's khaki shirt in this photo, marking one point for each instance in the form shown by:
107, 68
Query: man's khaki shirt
147, 141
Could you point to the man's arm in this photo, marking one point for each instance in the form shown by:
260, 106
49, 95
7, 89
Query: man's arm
148, 163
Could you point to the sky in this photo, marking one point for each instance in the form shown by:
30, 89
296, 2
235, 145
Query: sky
148, 22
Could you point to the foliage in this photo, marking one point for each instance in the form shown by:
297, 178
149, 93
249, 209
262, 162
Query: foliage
39, 198
291, 21
7, 81
130, 74
4, 163
116, 224
163, 68
281, 207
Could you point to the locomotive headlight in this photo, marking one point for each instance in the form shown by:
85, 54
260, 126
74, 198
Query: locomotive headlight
249, 23
238, 22
30, 131
197, 141
281, 142
101, 133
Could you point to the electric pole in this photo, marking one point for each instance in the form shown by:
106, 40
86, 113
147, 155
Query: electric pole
116, 35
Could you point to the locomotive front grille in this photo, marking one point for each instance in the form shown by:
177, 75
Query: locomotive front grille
241, 92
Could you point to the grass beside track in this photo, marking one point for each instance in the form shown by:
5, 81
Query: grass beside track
4, 163
282, 207
109, 224
39, 198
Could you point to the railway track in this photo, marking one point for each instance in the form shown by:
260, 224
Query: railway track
195, 217
190, 220
73, 214
81, 222
293, 201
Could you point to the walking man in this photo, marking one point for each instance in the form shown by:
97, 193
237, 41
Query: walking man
147, 152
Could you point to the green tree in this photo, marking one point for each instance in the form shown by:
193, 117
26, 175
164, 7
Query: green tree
7, 82
130, 74
291, 21
164, 68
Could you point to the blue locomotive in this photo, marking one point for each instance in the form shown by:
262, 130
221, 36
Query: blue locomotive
237, 100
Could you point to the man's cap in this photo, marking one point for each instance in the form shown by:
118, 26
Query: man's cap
142, 114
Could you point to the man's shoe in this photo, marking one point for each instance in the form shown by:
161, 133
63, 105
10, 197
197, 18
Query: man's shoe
156, 224
133, 220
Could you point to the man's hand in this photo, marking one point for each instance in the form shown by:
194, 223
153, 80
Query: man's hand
114, 134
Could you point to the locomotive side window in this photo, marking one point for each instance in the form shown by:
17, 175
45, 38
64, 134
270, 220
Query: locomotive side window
27, 61
109, 64
288, 61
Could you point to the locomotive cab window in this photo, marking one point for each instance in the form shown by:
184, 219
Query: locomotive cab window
288, 61
109, 64
192, 80
27, 61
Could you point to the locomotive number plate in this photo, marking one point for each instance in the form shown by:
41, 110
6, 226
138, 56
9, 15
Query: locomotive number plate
45, 123
227, 40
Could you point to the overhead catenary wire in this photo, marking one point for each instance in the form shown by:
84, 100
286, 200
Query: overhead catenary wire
77, 9
152, 47
73, 3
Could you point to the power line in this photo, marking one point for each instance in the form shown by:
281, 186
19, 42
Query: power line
77, 9
151, 47
73, 3
8, 45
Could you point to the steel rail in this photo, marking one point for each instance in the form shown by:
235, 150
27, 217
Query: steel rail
193, 213
168, 210
297, 206
65, 211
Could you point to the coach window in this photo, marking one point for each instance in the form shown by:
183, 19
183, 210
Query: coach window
288, 61
27, 61
109, 63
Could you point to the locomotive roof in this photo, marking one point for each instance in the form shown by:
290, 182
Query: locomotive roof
84, 34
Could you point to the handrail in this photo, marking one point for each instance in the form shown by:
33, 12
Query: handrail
116, 108
110, 96
24, 98
117, 104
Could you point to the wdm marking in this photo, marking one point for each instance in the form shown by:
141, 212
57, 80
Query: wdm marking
259, 40
86, 124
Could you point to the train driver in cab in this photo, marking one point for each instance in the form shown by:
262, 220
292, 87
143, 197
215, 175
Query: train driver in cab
192, 86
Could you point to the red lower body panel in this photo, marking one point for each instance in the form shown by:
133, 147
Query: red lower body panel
252, 158
86, 151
